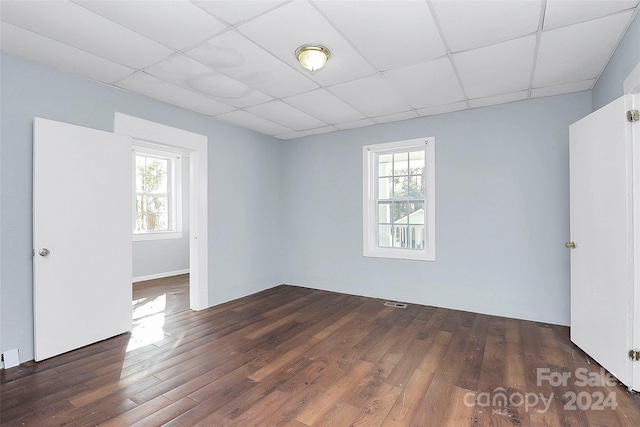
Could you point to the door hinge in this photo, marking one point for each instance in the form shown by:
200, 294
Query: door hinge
633, 115
634, 355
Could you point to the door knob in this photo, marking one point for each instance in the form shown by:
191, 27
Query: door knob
44, 252
570, 245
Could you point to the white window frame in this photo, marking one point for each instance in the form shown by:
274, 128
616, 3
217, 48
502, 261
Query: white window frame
370, 155
175, 192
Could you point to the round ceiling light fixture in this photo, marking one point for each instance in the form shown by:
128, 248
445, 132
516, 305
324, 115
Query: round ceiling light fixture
312, 56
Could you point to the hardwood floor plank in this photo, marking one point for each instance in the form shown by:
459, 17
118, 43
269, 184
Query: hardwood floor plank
96, 413
406, 405
342, 414
376, 408
140, 412
433, 406
312, 414
459, 413
299, 357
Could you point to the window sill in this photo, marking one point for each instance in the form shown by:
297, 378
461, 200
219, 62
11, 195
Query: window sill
400, 254
165, 235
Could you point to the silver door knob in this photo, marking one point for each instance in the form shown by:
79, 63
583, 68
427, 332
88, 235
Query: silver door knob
44, 252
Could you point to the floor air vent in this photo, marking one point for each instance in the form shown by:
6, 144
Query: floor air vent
395, 304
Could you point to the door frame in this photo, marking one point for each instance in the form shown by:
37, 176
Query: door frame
195, 145
634, 103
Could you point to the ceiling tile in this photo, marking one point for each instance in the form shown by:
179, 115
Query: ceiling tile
234, 11
441, 109
578, 52
284, 114
471, 24
319, 131
559, 13
282, 30
406, 115
500, 99
404, 31
32, 46
356, 124
153, 87
500, 68
560, 89
372, 96
291, 135
232, 54
244, 119
428, 84
76, 26
177, 24
191, 74
325, 106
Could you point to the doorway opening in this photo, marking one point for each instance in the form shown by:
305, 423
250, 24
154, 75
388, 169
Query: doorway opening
195, 147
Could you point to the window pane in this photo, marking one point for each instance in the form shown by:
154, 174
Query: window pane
384, 236
141, 222
400, 187
152, 213
140, 163
416, 237
161, 202
399, 212
385, 165
400, 237
160, 183
385, 188
384, 212
400, 164
416, 187
416, 162
417, 213
139, 180
139, 212
163, 221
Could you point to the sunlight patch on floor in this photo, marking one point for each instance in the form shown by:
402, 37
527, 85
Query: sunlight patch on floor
148, 321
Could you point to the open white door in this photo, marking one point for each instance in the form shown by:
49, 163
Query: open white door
82, 236
601, 203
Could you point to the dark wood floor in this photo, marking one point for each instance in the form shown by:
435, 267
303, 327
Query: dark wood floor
297, 357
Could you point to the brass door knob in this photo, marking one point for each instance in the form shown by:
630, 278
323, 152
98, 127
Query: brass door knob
570, 245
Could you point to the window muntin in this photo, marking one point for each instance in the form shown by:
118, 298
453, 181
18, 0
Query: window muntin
157, 194
399, 198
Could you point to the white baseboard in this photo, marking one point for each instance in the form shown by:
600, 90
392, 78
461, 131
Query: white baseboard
159, 275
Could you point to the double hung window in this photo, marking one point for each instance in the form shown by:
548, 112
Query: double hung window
399, 200
157, 194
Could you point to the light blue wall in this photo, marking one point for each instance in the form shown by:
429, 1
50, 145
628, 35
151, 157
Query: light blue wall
623, 61
502, 211
242, 255
157, 257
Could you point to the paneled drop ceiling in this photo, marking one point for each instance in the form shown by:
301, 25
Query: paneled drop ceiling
390, 60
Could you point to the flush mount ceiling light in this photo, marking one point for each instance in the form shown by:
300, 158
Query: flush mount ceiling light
312, 56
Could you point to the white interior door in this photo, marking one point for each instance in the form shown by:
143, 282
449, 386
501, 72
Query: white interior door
82, 236
601, 228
